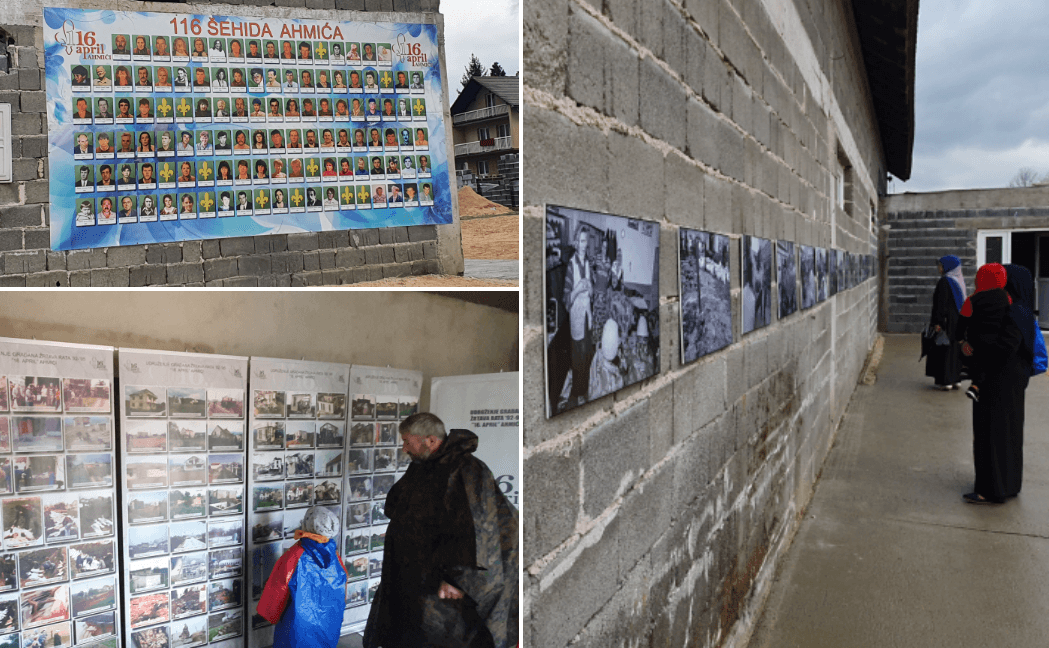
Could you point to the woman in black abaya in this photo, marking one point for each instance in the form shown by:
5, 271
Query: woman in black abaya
1005, 359
944, 364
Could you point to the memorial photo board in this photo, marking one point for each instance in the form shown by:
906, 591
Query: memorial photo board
297, 455
58, 566
706, 302
169, 127
184, 493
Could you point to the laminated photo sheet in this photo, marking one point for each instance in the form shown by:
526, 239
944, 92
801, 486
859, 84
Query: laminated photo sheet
183, 450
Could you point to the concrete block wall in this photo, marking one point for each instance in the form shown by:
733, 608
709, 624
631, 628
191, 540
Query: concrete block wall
920, 228
656, 515
320, 258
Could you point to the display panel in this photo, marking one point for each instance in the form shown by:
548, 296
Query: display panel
706, 302
169, 127
183, 421
756, 298
57, 496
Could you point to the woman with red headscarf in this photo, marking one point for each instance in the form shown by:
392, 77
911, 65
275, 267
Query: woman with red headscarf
1001, 366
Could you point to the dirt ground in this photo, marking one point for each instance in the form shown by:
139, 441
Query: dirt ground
495, 237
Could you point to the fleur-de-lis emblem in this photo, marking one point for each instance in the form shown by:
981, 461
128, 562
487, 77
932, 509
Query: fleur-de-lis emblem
296, 197
419, 106
347, 196
164, 108
206, 202
312, 167
167, 172
262, 199
184, 107
321, 51
204, 170
363, 195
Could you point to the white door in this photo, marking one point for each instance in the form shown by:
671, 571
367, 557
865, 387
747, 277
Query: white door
994, 246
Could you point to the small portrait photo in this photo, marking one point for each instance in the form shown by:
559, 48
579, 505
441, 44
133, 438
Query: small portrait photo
706, 304
189, 568
298, 494
385, 459
93, 595
40, 473
226, 562
91, 559
35, 394
388, 434
222, 534
300, 434
787, 278
300, 405
187, 402
226, 403
358, 461
756, 300
268, 435
386, 407
329, 463
56, 634
189, 536
225, 625
89, 470
149, 575
186, 436
408, 405
146, 437
151, 637
267, 498
42, 566
226, 436
95, 627
359, 514
363, 434
226, 500
36, 433
299, 465
602, 281
149, 609
225, 468
86, 395
267, 466
331, 406
45, 606
187, 470
146, 472
363, 406
267, 527
331, 435
189, 601
381, 485
269, 404
327, 492
82, 112
96, 515
144, 401
807, 266
148, 540
147, 507
187, 503
360, 489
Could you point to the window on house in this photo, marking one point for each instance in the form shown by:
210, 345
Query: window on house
489, 100
844, 190
502, 130
482, 167
483, 133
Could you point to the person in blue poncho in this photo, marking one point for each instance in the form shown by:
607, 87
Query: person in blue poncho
305, 594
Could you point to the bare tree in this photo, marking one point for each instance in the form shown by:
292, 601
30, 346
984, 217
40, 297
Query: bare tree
1025, 177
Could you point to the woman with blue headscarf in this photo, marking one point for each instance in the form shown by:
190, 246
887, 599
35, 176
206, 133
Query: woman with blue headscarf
945, 362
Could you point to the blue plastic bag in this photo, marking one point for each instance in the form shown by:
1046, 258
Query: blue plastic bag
1041, 360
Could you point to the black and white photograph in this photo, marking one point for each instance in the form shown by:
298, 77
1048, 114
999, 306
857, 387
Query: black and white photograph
358, 514
225, 563
385, 459
188, 503
89, 470
35, 394
90, 596
61, 517
42, 566
331, 406
268, 404
293, 521
187, 402
358, 461
299, 465
602, 282
225, 594
190, 600
327, 492
146, 437
56, 634
190, 632
226, 403
140, 400
266, 527
227, 436
267, 466
267, 498
363, 434
268, 435
386, 406
381, 485
224, 534
186, 436
87, 433
148, 540
329, 463
331, 434
226, 500
756, 298
149, 575
37, 433
842, 283
9, 613
388, 434
408, 405
146, 472
706, 304
300, 405
362, 406
86, 395
190, 535
297, 494
189, 568
150, 638
786, 277
821, 274
8, 575
39, 473
91, 559
225, 624
96, 515
807, 267
300, 434
23, 523
225, 468
45, 606
832, 273
187, 470
149, 609
94, 627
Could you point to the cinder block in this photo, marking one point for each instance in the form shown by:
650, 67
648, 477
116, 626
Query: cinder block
37, 192
386, 254
211, 249
401, 254
729, 143
117, 257
705, 14
587, 42
546, 45
372, 256
419, 233
80, 278
425, 267
148, 275
662, 104
56, 260
26, 124
219, 269
683, 191
650, 26
636, 177
191, 251
614, 455
38, 239
379, 5
349, 258
621, 86
400, 235
577, 153
302, 241
110, 277
237, 246
50, 279
397, 270
241, 282
271, 243
21, 216
717, 205
254, 266
287, 263
25, 262
85, 259
349, 5
33, 101
430, 250
311, 262
25, 169
648, 512
553, 477
10, 239
674, 28
386, 236
326, 259
12, 281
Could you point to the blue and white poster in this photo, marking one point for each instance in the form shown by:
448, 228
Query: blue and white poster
173, 127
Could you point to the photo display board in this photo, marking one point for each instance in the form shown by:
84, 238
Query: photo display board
297, 448
183, 426
58, 578
706, 300
380, 398
170, 127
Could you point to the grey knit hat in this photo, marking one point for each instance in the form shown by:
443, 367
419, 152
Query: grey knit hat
321, 521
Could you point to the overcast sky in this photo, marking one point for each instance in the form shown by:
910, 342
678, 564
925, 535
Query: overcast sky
491, 29
981, 94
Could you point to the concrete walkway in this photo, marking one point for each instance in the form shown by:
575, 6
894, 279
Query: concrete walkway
488, 269
888, 554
